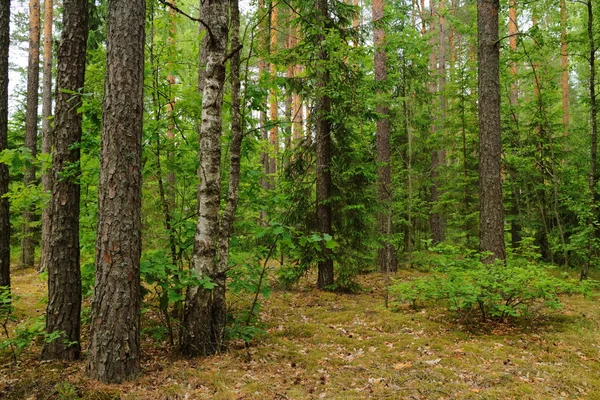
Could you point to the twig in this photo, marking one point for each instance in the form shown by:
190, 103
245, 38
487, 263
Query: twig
180, 11
232, 53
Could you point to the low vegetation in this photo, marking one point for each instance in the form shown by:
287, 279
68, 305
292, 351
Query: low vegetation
328, 345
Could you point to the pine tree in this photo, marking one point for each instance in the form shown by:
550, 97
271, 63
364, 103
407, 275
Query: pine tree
62, 249
33, 78
4, 176
491, 219
114, 349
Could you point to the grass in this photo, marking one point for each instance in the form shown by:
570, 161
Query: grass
321, 345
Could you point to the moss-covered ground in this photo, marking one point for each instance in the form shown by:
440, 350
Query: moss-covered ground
321, 345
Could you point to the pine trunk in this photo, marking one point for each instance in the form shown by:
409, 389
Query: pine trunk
62, 249
4, 176
114, 350
385, 255
491, 218
31, 118
46, 128
323, 144
564, 63
205, 309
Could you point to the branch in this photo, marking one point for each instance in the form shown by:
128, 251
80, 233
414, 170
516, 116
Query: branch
180, 11
506, 37
232, 53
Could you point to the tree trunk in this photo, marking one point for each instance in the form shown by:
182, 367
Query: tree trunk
235, 148
4, 176
62, 249
515, 226
439, 154
114, 350
564, 63
491, 217
323, 143
31, 118
273, 140
46, 128
593, 175
385, 254
205, 312
263, 68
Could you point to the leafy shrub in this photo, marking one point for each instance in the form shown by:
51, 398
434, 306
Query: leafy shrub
32, 330
495, 291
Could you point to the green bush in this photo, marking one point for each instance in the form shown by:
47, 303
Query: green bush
494, 291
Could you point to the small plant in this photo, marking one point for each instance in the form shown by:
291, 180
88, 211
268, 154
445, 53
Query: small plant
168, 284
494, 291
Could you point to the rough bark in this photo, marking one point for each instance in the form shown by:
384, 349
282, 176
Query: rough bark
205, 311
564, 63
235, 148
46, 128
4, 176
491, 218
438, 155
62, 248
515, 226
323, 144
385, 254
114, 350
593, 174
263, 68
273, 117
29, 242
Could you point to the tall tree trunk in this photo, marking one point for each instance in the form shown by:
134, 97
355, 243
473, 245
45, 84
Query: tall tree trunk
62, 249
491, 218
385, 254
205, 312
31, 118
439, 154
46, 128
263, 68
515, 226
564, 63
435, 219
114, 350
171, 178
323, 143
235, 148
593, 175
273, 140
4, 176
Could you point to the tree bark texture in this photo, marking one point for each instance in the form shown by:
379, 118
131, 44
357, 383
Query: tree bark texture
62, 249
273, 114
4, 176
564, 63
46, 127
491, 218
114, 350
31, 118
385, 258
323, 144
235, 148
205, 312
593, 175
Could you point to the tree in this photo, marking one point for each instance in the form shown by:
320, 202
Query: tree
46, 128
4, 177
62, 248
114, 349
491, 218
205, 310
593, 175
385, 257
33, 78
323, 144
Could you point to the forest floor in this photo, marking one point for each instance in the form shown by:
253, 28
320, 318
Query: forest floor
321, 345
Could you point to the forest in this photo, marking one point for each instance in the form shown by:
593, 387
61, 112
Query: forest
299, 199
